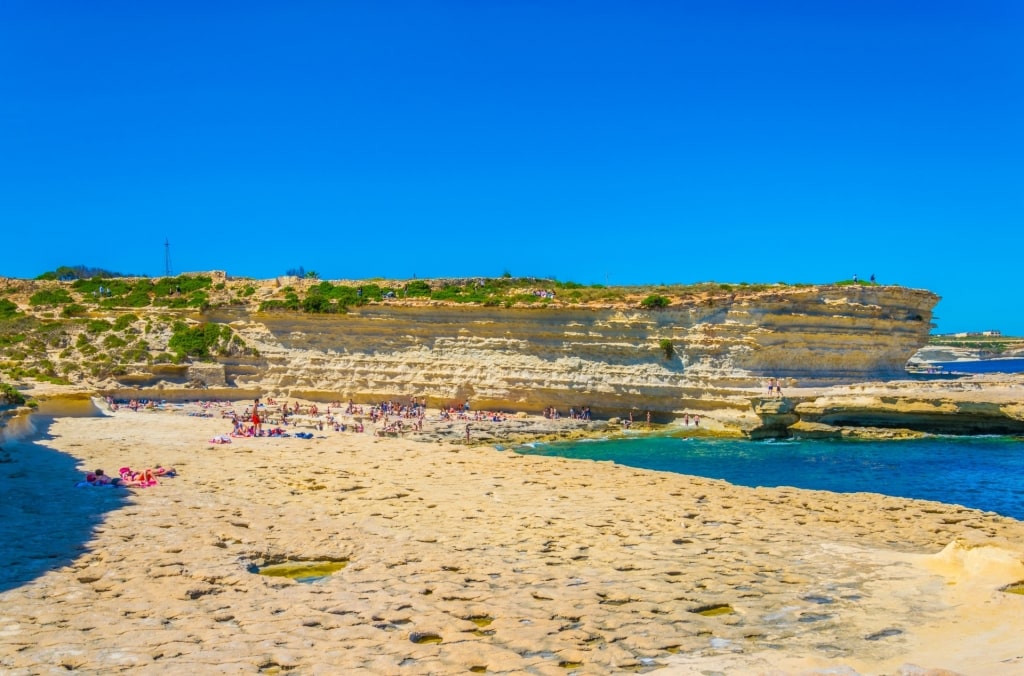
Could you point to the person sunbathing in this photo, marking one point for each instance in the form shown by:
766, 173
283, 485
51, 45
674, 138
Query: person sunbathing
142, 479
145, 477
98, 478
102, 479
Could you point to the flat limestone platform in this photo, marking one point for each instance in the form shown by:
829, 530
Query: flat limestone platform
465, 558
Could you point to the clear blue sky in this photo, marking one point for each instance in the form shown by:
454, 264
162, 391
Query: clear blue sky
640, 142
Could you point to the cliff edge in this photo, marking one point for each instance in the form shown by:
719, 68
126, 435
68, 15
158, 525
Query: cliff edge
502, 344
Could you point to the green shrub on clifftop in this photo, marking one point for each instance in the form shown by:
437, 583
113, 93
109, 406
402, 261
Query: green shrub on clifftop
10, 395
111, 287
200, 342
66, 272
124, 321
50, 297
112, 342
654, 302
317, 304
290, 302
7, 309
181, 285
417, 287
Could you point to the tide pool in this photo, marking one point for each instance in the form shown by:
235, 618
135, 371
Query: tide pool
985, 473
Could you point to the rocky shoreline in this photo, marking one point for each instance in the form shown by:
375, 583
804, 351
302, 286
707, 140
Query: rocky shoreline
898, 409
700, 348
970, 405
458, 557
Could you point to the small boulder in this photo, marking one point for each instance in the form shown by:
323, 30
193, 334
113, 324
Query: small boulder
809, 430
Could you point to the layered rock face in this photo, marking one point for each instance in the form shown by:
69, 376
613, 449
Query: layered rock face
993, 408
980, 404
611, 359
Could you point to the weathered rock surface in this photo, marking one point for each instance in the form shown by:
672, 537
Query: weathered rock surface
609, 358
465, 558
703, 354
809, 430
777, 416
988, 404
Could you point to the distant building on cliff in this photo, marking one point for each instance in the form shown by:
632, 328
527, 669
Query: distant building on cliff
976, 334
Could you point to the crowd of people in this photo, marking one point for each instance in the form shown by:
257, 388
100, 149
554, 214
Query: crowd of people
390, 417
131, 404
581, 413
272, 419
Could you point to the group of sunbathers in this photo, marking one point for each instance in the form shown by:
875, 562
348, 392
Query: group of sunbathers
242, 430
133, 404
454, 413
128, 478
250, 422
398, 428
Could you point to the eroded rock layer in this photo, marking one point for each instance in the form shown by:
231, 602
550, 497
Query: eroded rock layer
612, 359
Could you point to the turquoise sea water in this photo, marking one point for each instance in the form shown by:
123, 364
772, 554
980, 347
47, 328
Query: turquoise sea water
984, 473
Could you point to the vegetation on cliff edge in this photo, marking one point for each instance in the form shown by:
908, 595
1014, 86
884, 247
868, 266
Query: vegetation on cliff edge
66, 349
79, 323
201, 341
10, 396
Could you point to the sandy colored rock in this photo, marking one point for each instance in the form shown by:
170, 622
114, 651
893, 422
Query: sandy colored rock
517, 564
605, 350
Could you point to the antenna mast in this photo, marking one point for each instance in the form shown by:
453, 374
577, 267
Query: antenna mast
167, 257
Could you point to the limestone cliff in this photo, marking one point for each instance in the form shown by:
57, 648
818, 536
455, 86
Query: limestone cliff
612, 359
697, 349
